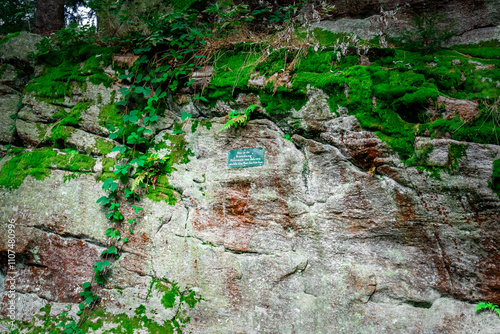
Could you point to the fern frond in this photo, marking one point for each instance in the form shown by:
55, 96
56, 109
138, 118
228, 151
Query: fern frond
138, 180
250, 109
226, 126
241, 119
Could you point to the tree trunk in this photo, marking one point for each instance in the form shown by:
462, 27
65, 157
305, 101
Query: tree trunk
49, 16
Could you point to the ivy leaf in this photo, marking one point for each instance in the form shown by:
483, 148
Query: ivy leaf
185, 116
130, 230
110, 250
86, 285
131, 119
125, 76
128, 192
110, 184
100, 265
110, 232
121, 149
125, 91
199, 97
136, 208
139, 161
103, 200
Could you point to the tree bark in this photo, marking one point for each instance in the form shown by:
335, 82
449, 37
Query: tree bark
49, 16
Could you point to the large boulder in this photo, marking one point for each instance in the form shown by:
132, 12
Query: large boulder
16, 50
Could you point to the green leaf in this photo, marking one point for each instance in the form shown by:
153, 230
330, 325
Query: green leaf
128, 192
110, 232
125, 76
110, 184
103, 200
86, 285
121, 149
185, 116
136, 208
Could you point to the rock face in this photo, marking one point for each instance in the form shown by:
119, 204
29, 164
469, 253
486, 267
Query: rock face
332, 234
308, 238
476, 20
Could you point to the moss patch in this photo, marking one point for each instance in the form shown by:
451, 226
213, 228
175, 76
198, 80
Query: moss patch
108, 165
104, 146
163, 191
38, 162
74, 64
391, 97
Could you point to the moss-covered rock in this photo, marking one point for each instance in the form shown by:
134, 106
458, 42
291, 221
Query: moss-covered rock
38, 163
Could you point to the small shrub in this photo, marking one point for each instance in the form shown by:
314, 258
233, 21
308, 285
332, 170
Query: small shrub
426, 32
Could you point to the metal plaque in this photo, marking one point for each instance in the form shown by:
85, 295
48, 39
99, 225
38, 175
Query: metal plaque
246, 157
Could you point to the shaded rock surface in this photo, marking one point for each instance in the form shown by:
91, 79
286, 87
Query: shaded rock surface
332, 234
308, 238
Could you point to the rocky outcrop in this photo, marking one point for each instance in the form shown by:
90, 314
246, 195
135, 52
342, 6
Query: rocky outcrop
334, 233
309, 237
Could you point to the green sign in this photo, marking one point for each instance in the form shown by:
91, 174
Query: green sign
246, 157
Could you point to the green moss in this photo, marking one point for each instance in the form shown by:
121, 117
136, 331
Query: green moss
282, 102
486, 49
172, 293
163, 191
76, 63
74, 116
108, 165
2, 69
9, 37
456, 153
110, 114
324, 37
171, 296
38, 162
495, 178
104, 146
206, 124
140, 310
194, 125
59, 135
179, 152
232, 72
481, 130
46, 309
